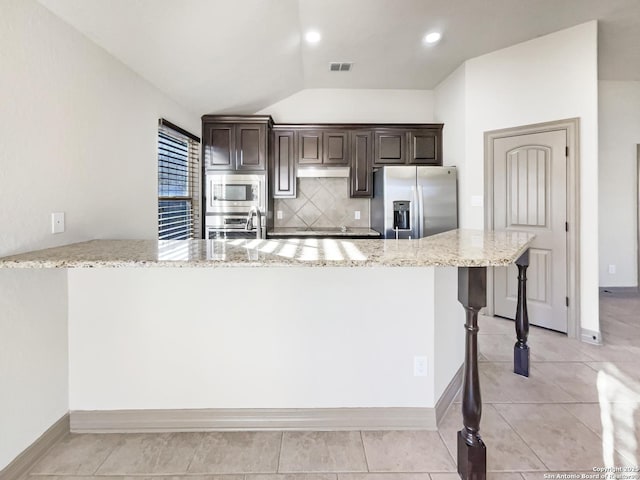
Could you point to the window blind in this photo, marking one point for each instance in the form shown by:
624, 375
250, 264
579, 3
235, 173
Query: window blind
178, 183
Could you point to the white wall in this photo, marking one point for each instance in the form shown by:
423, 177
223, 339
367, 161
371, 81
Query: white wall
449, 331
619, 111
285, 346
549, 78
33, 356
335, 105
78, 135
450, 108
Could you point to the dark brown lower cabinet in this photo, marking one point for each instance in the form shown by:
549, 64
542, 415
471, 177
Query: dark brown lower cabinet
283, 168
361, 164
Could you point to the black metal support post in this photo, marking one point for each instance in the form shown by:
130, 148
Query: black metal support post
521, 349
472, 452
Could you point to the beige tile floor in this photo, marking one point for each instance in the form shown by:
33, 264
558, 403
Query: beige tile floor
579, 409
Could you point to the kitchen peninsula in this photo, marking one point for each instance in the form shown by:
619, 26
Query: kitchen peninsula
206, 345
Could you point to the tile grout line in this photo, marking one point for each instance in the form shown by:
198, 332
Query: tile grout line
279, 452
195, 453
560, 385
599, 435
520, 436
453, 459
364, 451
113, 449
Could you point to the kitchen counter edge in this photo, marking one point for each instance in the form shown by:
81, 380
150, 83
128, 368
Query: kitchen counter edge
457, 248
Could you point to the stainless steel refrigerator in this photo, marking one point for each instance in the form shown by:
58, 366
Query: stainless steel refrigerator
414, 202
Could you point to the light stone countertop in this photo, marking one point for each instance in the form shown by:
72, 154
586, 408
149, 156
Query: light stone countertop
471, 248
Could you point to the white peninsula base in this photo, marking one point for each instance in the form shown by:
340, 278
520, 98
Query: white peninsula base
251, 348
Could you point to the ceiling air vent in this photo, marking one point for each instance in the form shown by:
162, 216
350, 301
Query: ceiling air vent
340, 66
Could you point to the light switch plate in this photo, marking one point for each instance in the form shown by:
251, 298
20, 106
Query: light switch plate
419, 366
279, 214
357, 214
57, 222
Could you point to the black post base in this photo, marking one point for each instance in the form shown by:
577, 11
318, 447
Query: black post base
521, 349
472, 459
521, 360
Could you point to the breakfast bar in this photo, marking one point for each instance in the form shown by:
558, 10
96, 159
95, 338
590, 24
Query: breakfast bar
215, 307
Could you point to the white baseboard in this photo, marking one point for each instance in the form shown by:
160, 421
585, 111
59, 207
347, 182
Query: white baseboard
34, 452
227, 419
591, 336
622, 290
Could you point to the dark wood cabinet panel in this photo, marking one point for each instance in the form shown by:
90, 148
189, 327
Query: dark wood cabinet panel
389, 147
310, 147
283, 168
361, 174
424, 147
235, 142
336, 148
219, 148
251, 146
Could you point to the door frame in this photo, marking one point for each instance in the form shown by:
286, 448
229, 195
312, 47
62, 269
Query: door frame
571, 126
638, 213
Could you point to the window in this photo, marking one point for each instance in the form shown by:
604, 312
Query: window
178, 183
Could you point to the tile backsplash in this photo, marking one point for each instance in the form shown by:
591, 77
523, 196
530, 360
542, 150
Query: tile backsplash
322, 203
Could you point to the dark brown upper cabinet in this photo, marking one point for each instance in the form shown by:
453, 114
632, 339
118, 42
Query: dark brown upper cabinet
218, 146
251, 147
361, 173
310, 147
359, 146
323, 147
403, 145
390, 147
336, 147
424, 147
283, 164
235, 143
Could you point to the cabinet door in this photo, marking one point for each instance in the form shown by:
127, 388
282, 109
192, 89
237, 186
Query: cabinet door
361, 168
219, 148
251, 146
389, 147
336, 148
424, 147
310, 147
283, 170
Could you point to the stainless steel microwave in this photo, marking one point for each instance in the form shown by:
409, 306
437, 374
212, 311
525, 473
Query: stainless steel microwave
235, 193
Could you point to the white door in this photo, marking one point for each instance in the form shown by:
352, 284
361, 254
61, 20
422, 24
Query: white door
529, 194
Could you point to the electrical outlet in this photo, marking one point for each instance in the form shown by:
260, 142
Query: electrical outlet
612, 269
279, 214
57, 222
419, 366
357, 214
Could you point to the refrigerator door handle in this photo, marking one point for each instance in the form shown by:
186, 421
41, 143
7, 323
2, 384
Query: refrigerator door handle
421, 225
415, 229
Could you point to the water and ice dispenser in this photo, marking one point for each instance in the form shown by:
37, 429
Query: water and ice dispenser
402, 215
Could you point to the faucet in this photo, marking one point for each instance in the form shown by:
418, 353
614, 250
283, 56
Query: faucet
256, 211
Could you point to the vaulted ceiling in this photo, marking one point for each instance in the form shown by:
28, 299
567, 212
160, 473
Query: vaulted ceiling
242, 55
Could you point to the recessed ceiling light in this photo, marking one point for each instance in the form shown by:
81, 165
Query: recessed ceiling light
433, 37
312, 36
